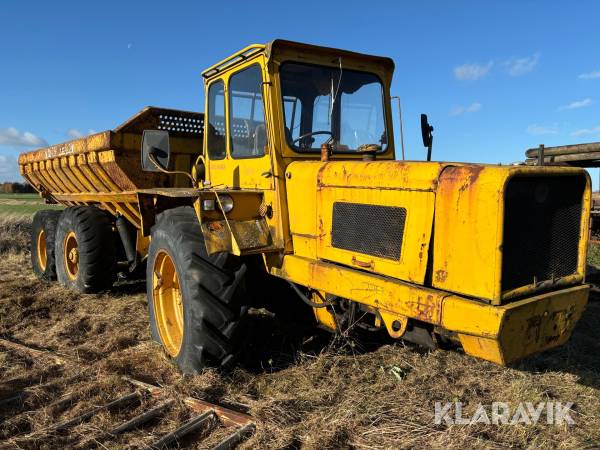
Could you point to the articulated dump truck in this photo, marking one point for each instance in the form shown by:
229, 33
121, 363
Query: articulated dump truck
287, 188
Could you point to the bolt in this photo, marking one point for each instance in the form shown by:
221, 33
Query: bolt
74, 256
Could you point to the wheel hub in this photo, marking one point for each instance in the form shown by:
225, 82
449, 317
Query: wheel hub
74, 256
71, 255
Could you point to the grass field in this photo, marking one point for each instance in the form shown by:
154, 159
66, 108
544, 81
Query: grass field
22, 204
304, 392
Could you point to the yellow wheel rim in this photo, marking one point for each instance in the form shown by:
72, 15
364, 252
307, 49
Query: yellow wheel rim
167, 303
71, 255
42, 255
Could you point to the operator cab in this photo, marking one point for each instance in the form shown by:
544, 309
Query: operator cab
285, 100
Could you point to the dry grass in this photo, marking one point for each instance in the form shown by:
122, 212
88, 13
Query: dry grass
332, 395
14, 232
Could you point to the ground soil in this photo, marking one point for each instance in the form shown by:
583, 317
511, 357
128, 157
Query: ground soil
303, 392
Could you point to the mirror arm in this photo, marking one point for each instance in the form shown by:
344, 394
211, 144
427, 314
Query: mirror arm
170, 172
397, 97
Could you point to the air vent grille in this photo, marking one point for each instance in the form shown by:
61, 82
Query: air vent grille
370, 229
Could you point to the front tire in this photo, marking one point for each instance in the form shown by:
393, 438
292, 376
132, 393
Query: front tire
43, 233
85, 249
196, 303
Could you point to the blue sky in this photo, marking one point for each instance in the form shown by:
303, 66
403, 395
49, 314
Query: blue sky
494, 77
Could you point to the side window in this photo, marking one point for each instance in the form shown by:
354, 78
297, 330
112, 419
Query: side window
247, 115
293, 114
216, 121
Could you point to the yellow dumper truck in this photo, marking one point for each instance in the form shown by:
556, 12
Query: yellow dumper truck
291, 174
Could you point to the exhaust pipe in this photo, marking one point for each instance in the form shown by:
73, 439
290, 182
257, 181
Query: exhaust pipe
127, 238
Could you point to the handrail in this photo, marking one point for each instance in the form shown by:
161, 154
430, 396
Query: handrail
243, 54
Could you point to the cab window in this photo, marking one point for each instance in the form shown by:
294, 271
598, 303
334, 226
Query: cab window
215, 132
248, 133
342, 105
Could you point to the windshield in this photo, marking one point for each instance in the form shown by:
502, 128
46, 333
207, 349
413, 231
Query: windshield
321, 103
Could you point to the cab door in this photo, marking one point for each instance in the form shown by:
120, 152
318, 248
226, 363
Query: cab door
237, 143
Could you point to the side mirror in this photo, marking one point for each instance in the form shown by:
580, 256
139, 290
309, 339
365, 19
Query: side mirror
155, 147
427, 135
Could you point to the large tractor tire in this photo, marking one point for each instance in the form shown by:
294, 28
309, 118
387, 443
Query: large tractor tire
85, 249
197, 303
43, 233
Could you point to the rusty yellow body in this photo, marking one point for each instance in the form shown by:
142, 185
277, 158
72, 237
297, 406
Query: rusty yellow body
489, 256
462, 206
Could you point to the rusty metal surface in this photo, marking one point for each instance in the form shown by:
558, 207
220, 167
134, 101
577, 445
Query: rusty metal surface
172, 192
470, 206
98, 141
227, 415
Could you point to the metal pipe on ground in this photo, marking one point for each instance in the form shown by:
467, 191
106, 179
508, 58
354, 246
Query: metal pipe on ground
188, 427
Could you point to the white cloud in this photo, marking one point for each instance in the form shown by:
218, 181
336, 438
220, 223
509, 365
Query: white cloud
74, 133
520, 66
458, 110
578, 104
472, 71
538, 130
586, 131
590, 75
15, 138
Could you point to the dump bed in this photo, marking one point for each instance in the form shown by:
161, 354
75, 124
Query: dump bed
105, 168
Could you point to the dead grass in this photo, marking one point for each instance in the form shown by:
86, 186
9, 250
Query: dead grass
593, 256
14, 232
333, 395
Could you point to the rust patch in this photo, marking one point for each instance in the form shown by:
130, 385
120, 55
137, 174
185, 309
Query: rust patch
370, 288
466, 175
215, 226
320, 176
424, 309
534, 325
475, 171
423, 245
321, 227
440, 276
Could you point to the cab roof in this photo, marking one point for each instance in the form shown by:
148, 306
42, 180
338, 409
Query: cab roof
280, 49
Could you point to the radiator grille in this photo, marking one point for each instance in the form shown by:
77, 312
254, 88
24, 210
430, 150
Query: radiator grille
542, 220
370, 229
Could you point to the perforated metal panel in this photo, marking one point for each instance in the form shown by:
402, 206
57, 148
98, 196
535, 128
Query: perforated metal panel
542, 221
176, 122
370, 229
181, 123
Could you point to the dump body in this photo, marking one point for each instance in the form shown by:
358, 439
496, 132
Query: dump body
104, 169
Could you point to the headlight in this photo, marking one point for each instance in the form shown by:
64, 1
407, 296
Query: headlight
226, 203
208, 204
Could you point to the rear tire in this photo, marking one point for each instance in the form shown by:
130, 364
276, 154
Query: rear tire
85, 249
197, 303
43, 234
